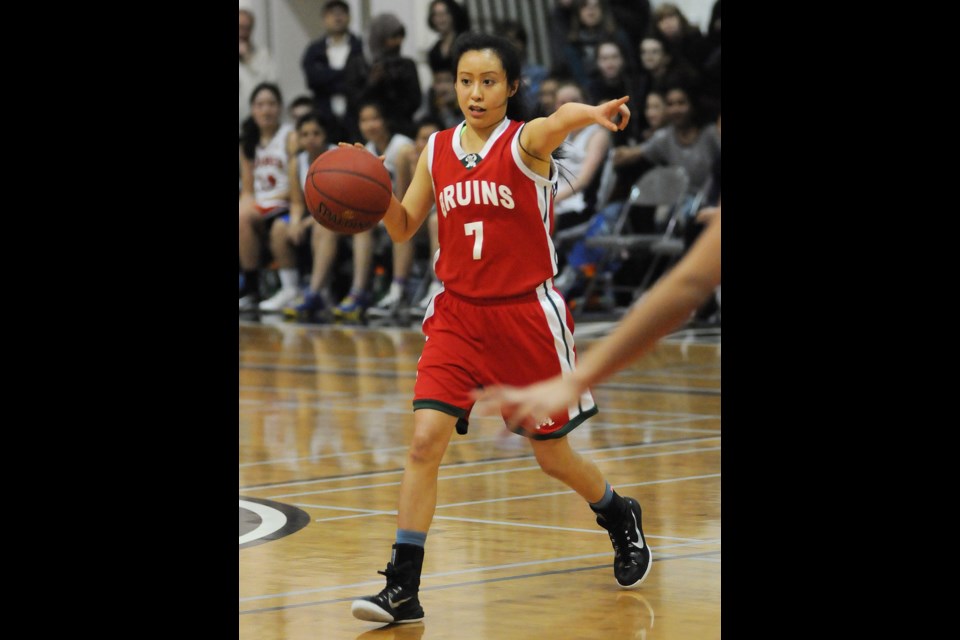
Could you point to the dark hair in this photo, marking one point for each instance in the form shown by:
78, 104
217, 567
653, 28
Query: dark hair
509, 58
461, 19
300, 101
269, 86
388, 121
698, 114
250, 130
619, 45
425, 120
336, 3
511, 29
585, 94
608, 23
315, 116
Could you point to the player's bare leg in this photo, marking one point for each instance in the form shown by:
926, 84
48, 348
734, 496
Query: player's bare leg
353, 306
619, 515
398, 601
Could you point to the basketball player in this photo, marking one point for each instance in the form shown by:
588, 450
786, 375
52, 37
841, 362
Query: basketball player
498, 319
265, 145
668, 304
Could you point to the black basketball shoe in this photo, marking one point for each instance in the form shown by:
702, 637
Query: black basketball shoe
398, 602
632, 557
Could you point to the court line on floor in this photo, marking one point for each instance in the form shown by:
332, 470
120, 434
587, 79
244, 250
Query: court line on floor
485, 473
538, 574
307, 505
362, 513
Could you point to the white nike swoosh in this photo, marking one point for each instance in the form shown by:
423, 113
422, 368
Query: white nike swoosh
637, 528
397, 604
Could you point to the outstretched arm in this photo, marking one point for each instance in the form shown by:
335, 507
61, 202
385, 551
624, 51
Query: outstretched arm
671, 301
541, 136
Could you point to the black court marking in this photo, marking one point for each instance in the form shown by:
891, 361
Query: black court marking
249, 521
487, 581
277, 520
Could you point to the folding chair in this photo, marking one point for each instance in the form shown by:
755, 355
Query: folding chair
662, 188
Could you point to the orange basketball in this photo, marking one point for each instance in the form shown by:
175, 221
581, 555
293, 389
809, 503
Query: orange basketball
347, 190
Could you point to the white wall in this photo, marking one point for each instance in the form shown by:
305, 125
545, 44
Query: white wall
287, 42
279, 28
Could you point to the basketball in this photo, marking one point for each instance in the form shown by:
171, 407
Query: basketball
347, 190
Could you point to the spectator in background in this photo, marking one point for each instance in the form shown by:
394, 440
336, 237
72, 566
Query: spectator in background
383, 139
313, 140
440, 102
683, 39
323, 63
633, 16
299, 107
385, 77
655, 111
581, 260
531, 73
627, 170
688, 140
266, 146
448, 19
584, 154
609, 80
256, 65
592, 23
547, 97
663, 68
380, 140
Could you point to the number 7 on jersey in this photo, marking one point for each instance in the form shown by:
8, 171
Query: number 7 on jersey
475, 228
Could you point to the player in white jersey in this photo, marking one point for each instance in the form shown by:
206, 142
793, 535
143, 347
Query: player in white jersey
584, 154
265, 149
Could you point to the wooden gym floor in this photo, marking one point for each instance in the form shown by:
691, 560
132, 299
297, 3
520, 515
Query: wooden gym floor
325, 418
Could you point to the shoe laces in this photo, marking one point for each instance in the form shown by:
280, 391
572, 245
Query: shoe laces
393, 576
620, 535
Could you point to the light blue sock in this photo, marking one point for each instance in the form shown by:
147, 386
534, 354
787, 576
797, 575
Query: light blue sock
406, 536
603, 502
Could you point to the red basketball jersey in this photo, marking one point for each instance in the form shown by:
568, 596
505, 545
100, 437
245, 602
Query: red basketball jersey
495, 215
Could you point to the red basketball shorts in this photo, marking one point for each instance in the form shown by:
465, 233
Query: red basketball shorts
517, 341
